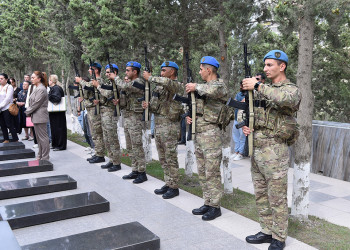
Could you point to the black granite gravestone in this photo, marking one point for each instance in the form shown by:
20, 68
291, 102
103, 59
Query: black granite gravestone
8, 240
126, 236
49, 210
16, 154
11, 146
25, 167
12, 189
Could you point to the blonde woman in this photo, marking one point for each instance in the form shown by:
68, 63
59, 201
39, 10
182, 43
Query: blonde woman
37, 109
57, 119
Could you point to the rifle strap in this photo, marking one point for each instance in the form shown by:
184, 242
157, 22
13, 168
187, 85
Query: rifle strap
251, 122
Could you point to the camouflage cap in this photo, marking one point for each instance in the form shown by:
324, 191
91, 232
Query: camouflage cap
133, 64
169, 64
211, 61
277, 55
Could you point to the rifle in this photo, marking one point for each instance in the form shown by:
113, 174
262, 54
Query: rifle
79, 88
115, 90
190, 101
247, 106
147, 88
93, 75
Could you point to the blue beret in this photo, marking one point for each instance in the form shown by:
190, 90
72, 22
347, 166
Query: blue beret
96, 65
278, 55
210, 60
133, 64
115, 66
169, 64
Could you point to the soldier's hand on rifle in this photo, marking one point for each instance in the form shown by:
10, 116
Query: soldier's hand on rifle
246, 130
249, 83
78, 79
115, 101
144, 104
95, 83
146, 75
191, 87
96, 102
80, 99
188, 120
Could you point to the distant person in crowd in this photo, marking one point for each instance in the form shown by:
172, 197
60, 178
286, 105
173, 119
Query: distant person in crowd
57, 119
237, 134
260, 77
21, 101
26, 79
7, 121
37, 109
15, 89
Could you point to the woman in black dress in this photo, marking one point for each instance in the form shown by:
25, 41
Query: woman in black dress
21, 101
57, 119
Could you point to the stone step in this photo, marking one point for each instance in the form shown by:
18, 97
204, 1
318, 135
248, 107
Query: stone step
19, 188
2, 137
16, 154
7, 238
53, 209
25, 167
126, 236
11, 146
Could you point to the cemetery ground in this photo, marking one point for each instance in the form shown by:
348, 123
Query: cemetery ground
315, 232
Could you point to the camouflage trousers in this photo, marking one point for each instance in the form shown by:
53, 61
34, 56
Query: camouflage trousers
270, 163
133, 125
96, 131
166, 133
110, 134
209, 153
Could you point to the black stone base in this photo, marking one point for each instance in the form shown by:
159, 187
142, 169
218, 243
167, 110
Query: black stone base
127, 236
49, 210
25, 167
13, 189
8, 240
16, 154
11, 146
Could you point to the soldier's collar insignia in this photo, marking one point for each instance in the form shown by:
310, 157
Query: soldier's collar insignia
277, 54
166, 63
203, 59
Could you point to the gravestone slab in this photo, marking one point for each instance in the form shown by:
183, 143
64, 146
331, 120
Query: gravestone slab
11, 146
2, 138
53, 209
18, 188
16, 154
25, 167
126, 236
7, 238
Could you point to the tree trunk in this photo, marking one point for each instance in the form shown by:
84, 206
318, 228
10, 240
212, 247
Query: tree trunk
301, 181
224, 68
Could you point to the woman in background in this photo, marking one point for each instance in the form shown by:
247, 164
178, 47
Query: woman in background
57, 119
7, 121
21, 101
37, 109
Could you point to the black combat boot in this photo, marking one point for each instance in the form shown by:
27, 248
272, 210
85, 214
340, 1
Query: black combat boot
114, 168
259, 238
142, 177
277, 245
212, 213
90, 158
171, 193
162, 190
108, 165
132, 175
200, 211
97, 159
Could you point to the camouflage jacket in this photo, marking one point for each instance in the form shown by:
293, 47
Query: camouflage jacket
212, 97
132, 94
88, 92
282, 102
162, 102
106, 94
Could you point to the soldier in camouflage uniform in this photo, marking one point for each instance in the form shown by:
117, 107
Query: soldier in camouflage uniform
210, 97
109, 121
167, 116
95, 119
133, 121
274, 129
